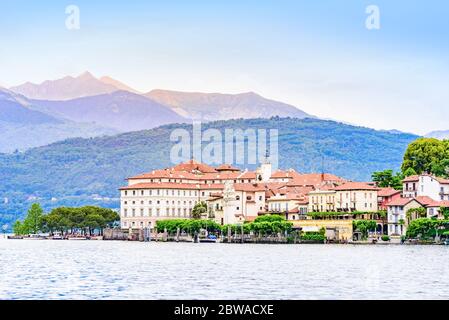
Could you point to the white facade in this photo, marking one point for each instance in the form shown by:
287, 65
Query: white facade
397, 215
426, 185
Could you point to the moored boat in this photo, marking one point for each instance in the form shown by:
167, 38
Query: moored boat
76, 238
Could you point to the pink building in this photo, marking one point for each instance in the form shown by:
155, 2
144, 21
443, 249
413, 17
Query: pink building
386, 195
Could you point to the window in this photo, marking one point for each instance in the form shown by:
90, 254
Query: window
134, 192
134, 212
237, 198
126, 193
125, 212
141, 212
142, 192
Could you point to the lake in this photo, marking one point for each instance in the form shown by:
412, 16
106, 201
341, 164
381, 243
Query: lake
34, 269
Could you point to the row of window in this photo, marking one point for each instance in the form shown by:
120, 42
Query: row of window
157, 212
158, 202
167, 192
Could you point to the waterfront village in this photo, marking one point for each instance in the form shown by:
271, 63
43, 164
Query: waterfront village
322, 205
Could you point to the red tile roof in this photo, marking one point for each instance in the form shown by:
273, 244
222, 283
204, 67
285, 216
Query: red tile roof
192, 165
168, 185
411, 179
248, 175
290, 174
438, 204
387, 192
226, 167
424, 200
400, 202
315, 179
442, 180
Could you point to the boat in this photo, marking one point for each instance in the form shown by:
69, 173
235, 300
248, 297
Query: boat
34, 237
14, 237
76, 238
209, 239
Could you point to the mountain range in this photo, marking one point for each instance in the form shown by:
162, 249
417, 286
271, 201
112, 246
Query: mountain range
89, 171
441, 134
23, 126
217, 106
33, 115
70, 87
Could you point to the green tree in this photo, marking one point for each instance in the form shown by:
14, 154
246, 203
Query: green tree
33, 222
199, 209
363, 226
409, 172
445, 212
427, 155
387, 179
18, 228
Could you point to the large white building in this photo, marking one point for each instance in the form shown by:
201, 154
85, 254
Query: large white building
232, 196
426, 185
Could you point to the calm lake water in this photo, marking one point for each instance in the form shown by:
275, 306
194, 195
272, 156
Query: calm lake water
132, 270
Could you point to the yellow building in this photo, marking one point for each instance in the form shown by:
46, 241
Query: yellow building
322, 200
342, 229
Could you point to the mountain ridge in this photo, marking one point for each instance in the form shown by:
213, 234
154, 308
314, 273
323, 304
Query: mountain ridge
68, 87
222, 106
120, 110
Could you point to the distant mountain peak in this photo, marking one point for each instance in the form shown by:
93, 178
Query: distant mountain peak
86, 75
68, 88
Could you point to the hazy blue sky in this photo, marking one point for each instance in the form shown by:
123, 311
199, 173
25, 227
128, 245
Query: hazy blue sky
316, 55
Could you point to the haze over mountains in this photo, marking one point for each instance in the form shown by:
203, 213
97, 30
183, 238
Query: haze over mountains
120, 110
86, 106
217, 106
69, 87
441, 134
23, 127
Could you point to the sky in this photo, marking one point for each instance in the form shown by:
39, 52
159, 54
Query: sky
316, 55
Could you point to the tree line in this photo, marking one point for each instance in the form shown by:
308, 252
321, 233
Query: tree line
83, 220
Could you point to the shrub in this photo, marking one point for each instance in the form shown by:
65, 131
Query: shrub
385, 238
